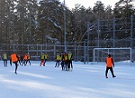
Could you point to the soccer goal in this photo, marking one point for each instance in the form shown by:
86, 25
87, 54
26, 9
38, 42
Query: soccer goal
118, 54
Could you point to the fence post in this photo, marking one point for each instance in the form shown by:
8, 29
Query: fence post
114, 29
75, 47
94, 55
85, 54
131, 32
54, 53
28, 48
37, 49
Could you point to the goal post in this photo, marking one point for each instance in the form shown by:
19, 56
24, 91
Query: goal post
118, 54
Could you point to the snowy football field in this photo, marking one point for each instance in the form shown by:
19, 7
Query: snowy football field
85, 81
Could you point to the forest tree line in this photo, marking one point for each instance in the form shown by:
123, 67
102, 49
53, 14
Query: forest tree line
32, 22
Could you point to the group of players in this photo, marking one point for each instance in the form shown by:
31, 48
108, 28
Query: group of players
14, 58
65, 60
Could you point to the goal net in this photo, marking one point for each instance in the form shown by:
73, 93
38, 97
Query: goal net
118, 54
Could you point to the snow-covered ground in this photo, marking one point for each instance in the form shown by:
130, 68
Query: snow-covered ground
85, 81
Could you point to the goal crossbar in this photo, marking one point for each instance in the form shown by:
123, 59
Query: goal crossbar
108, 51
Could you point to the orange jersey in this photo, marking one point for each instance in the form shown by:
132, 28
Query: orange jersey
65, 57
25, 57
109, 62
14, 57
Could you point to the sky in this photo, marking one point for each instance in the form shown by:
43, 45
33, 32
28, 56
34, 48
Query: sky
84, 81
87, 3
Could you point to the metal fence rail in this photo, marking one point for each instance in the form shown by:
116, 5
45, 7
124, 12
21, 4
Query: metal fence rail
80, 52
35, 50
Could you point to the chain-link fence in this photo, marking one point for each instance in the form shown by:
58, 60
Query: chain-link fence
35, 50
80, 52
